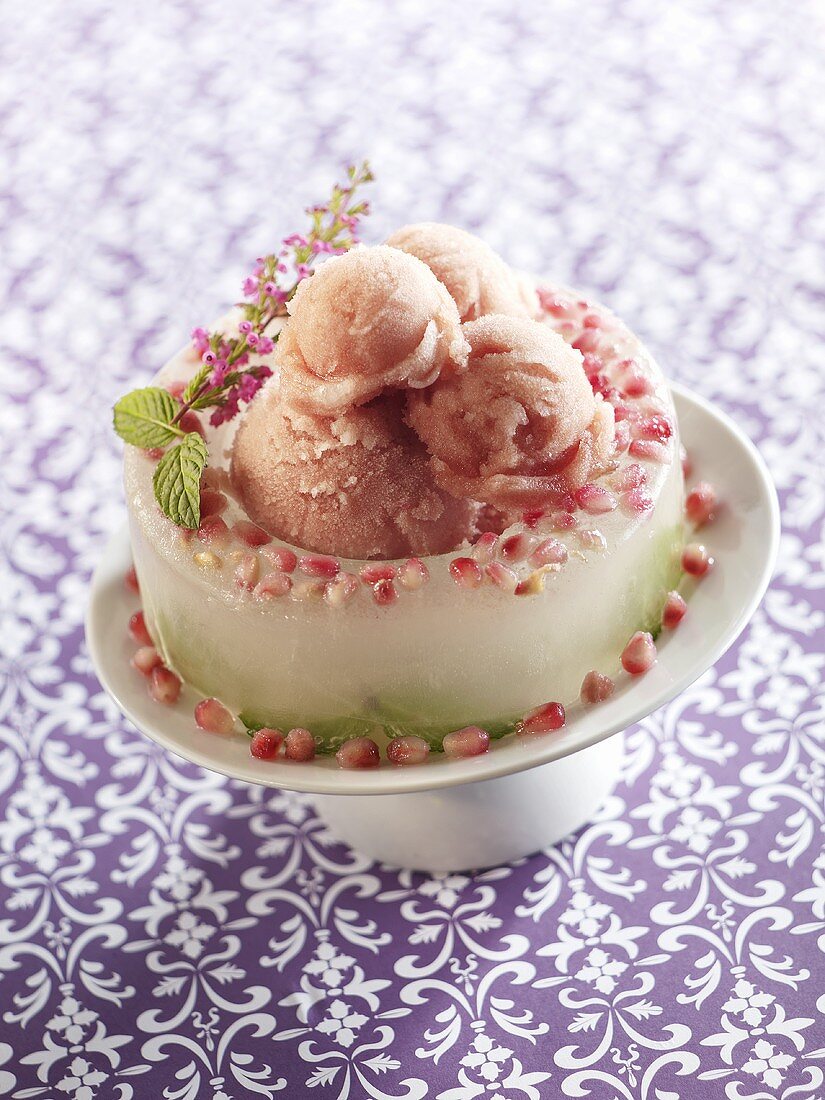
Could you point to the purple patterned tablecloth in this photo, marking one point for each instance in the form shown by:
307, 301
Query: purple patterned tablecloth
167, 933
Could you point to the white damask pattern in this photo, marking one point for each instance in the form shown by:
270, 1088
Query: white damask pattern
166, 933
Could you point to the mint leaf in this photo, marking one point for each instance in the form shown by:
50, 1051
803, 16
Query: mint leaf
177, 481
143, 417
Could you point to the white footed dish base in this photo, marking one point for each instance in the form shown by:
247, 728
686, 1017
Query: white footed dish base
526, 792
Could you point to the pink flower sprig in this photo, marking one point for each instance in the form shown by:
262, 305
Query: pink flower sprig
227, 376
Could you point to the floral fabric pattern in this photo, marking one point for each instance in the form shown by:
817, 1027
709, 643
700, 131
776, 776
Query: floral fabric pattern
165, 932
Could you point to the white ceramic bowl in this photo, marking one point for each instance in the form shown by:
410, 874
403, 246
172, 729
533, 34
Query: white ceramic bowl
525, 793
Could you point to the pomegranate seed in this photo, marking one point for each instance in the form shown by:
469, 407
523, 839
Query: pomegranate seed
247, 570
358, 752
164, 686
384, 593
517, 547
631, 477
280, 558
130, 579
649, 449
595, 500
637, 502
469, 741
549, 552
551, 303
596, 687
592, 321
341, 589
484, 547
402, 751
700, 505
544, 719
145, 659
213, 529
381, 571
639, 655
153, 452
587, 341
687, 462
502, 576
696, 560
250, 533
562, 521
466, 573
265, 743
308, 590
299, 745
657, 427
212, 503
567, 502
212, 716
636, 384
413, 574
533, 518
191, 422
674, 610
318, 565
137, 628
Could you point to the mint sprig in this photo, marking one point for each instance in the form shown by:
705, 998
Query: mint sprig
177, 480
144, 417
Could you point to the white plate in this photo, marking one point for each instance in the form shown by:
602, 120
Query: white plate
744, 540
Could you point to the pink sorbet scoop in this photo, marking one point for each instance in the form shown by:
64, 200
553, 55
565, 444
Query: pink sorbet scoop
357, 485
521, 426
479, 281
371, 320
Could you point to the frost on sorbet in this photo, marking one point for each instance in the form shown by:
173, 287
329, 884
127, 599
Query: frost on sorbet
521, 426
479, 281
370, 320
358, 485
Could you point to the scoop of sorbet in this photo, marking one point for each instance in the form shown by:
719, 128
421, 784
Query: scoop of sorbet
358, 485
479, 281
521, 427
371, 320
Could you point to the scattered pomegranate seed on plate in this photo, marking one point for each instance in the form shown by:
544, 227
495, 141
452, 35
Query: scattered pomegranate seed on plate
299, 745
247, 570
639, 655
145, 659
377, 571
544, 719
502, 576
596, 687
674, 610
403, 751
211, 715
358, 752
469, 741
164, 686
137, 628
266, 743
595, 500
696, 560
701, 504
341, 589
